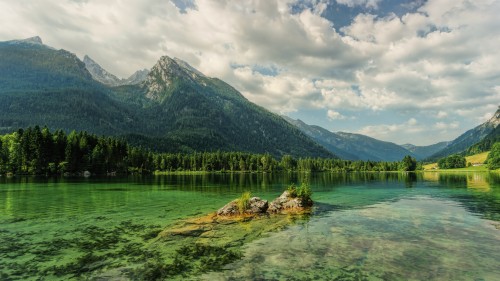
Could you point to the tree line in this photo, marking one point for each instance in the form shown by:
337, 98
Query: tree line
38, 151
493, 160
454, 161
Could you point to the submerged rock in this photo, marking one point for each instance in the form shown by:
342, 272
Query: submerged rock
286, 203
255, 206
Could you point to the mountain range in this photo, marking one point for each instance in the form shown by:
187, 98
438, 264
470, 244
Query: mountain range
360, 147
175, 108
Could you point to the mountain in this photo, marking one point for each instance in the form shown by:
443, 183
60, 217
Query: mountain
29, 65
327, 139
100, 74
487, 142
40, 85
103, 76
352, 146
138, 77
423, 152
36, 40
204, 113
373, 149
469, 138
175, 108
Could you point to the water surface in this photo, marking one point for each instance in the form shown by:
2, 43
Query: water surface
365, 226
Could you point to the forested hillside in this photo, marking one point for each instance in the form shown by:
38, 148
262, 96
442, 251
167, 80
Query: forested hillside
486, 143
472, 137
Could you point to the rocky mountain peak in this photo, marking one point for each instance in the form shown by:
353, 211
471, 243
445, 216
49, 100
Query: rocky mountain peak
188, 67
165, 71
138, 77
33, 40
495, 120
88, 60
176, 67
100, 74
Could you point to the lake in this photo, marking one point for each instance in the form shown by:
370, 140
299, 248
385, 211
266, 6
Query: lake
364, 226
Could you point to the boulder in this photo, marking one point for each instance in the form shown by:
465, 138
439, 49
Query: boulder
286, 202
230, 209
255, 206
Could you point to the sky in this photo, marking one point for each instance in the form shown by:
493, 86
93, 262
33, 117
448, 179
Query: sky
408, 71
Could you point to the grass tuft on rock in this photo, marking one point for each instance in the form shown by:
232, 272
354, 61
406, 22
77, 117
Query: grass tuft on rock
243, 201
304, 191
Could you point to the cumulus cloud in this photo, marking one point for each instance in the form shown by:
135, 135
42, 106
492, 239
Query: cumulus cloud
334, 115
412, 130
440, 59
446, 126
405, 132
284, 93
441, 114
365, 3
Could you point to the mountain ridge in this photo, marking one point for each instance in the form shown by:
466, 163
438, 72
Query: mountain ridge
109, 79
351, 146
423, 152
176, 104
468, 139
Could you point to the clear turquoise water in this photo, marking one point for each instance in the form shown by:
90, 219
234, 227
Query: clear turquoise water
364, 227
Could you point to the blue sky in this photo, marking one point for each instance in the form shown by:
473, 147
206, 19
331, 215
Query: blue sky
402, 71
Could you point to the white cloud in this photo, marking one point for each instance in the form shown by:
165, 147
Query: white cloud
334, 115
365, 3
446, 126
282, 93
405, 131
441, 114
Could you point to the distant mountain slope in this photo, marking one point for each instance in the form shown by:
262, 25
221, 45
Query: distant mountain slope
103, 76
352, 146
488, 141
381, 150
138, 77
469, 138
175, 104
327, 139
99, 73
422, 152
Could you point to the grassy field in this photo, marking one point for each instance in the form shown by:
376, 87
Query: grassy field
477, 158
474, 159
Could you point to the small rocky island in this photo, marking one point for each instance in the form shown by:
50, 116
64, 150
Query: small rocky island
256, 213
292, 200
